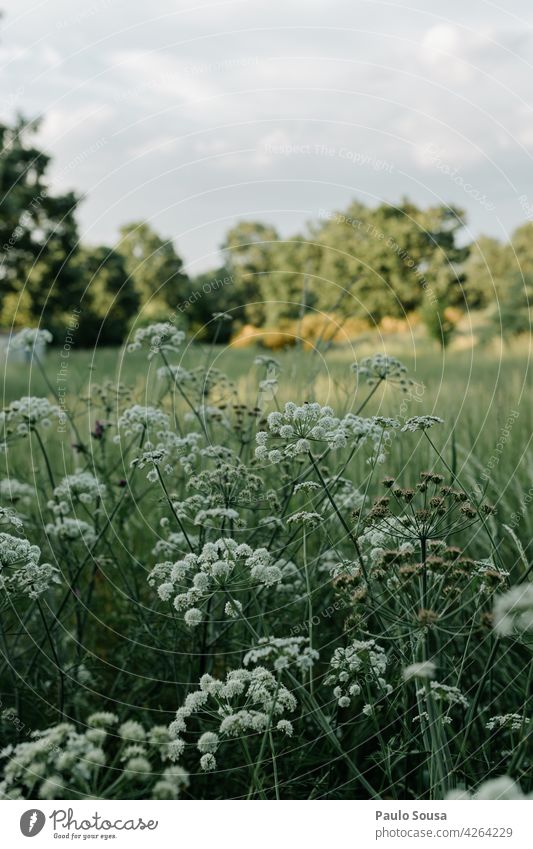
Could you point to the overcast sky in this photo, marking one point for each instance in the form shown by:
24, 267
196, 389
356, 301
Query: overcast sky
192, 115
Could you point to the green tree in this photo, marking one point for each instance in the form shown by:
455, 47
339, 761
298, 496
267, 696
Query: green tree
38, 233
110, 301
384, 257
248, 251
486, 269
154, 266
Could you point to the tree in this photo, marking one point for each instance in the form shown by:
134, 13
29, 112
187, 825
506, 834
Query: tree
384, 257
110, 301
154, 266
514, 313
486, 269
38, 233
248, 252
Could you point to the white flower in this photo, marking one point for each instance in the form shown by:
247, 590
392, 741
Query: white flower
426, 669
421, 423
282, 652
513, 611
160, 336
28, 412
380, 367
208, 763
208, 742
81, 486
13, 490
71, 530
20, 569
30, 340
510, 721
193, 617
137, 418
132, 730
495, 789
361, 661
447, 695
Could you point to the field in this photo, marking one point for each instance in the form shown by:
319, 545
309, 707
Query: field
336, 608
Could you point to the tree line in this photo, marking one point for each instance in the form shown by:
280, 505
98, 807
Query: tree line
367, 263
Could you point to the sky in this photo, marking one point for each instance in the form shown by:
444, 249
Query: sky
193, 115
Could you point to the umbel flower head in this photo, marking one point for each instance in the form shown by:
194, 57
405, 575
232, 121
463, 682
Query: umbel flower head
61, 762
138, 418
297, 430
247, 702
381, 367
30, 340
513, 611
222, 567
28, 412
20, 569
158, 337
356, 669
282, 653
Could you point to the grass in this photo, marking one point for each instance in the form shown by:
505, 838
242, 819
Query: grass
107, 638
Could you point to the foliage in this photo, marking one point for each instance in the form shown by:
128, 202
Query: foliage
249, 575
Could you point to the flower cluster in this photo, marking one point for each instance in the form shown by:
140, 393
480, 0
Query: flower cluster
81, 486
445, 695
495, 789
282, 653
507, 722
20, 569
221, 567
358, 669
62, 762
380, 367
248, 702
15, 491
513, 611
138, 419
30, 339
158, 337
294, 431
66, 529
28, 412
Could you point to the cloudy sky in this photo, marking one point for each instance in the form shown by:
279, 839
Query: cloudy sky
192, 115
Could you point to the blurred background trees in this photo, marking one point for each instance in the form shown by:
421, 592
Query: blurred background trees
366, 264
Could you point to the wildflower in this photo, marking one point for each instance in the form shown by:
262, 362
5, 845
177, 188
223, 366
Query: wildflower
71, 530
102, 719
494, 789
424, 670
137, 419
310, 520
81, 486
421, 423
132, 730
208, 742
138, 765
380, 367
28, 412
451, 696
360, 662
15, 491
193, 617
510, 721
283, 652
208, 763
513, 611
157, 337
30, 340
20, 569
